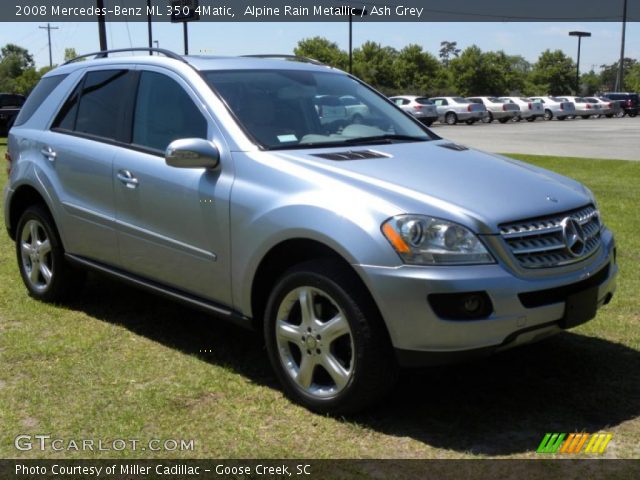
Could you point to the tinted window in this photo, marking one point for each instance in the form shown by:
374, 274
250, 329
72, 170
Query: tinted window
460, 100
424, 101
66, 119
103, 104
164, 112
38, 95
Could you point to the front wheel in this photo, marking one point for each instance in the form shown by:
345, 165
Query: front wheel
488, 118
326, 340
44, 270
548, 115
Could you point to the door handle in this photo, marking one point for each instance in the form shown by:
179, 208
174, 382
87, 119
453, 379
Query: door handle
126, 177
49, 153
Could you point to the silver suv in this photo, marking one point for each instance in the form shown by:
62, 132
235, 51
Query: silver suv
355, 247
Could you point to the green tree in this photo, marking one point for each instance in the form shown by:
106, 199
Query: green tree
476, 72
590, 83
448, 50
554, 73
70, 54
323, 50
373, 63
632, 80
415, 71
609, 74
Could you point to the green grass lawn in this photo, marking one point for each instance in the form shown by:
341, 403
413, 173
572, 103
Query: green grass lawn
120, 363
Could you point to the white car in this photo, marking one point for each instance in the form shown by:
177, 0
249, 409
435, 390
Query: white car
420, 107
452, 110
584, 108
608, 108
497, 109
556, 107
529, 110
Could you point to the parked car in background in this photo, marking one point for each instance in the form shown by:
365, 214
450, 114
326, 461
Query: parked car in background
10, 105
584, 108
452, 110
497, 109
554, 107
608, 108
629, 102
355, 110
420, 107
529, 110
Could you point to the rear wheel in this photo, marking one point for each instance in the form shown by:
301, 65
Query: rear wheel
504, 120
44, 270
548, 115
633, 115
586, 116
531, 119
326, 340
562, 118
609, 115
488, 118
450, 118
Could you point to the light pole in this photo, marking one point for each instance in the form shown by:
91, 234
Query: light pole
352, 12
620, 77
579, 35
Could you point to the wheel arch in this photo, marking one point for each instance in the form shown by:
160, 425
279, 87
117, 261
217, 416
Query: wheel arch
22, 198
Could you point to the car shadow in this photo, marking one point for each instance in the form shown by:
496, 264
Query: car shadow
500, 405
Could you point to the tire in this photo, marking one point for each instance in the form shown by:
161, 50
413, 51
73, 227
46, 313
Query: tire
364, 368
531, 119
470, 121
633, 115
450, 118
428, 123
586, 117
38, 245
488, 118
504, 120
548, 115
562, 118
609, 115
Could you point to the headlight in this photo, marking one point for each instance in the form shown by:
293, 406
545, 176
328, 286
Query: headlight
421, 240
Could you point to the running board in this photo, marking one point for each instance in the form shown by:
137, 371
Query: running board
191, 300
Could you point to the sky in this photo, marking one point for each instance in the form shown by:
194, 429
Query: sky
526, 39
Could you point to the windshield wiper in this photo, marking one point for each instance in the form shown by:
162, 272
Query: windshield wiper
387, 138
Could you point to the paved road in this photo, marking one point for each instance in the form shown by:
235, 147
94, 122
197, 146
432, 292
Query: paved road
613, 138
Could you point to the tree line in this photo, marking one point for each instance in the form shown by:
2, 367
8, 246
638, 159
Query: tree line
410, 70
471, 71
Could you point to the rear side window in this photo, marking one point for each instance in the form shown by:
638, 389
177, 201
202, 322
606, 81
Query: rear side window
42, 90
165, 112
102, 104
424, 101
99, 106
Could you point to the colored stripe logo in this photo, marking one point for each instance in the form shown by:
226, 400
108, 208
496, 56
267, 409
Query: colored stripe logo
574, 443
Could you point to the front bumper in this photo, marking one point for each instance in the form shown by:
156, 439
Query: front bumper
421, 337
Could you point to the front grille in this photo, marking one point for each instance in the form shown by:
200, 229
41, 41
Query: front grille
539, 242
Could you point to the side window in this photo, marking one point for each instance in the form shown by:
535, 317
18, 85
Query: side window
37, 96
103, 104
66, 119
164, 112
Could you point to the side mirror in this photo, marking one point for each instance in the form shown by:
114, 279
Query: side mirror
192, 153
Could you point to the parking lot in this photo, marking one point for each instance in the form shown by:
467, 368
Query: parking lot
611, 138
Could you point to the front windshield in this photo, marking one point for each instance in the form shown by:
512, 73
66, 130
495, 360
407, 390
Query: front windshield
301, 109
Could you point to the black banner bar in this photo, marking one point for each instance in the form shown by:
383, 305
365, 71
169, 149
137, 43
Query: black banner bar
323, 10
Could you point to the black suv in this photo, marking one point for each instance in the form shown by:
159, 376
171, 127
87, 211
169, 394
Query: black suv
10, 105
628, 101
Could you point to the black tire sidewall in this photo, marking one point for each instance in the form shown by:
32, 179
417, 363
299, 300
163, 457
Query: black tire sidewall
350, 398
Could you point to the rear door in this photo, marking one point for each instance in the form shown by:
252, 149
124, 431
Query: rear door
83, 140
173, 224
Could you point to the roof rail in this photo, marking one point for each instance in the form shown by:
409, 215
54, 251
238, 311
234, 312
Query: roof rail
105, 53
295, 58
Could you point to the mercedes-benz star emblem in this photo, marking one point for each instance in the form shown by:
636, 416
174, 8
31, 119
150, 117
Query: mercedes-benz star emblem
573, 237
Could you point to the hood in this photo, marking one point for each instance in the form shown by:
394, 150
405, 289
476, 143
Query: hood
429, 178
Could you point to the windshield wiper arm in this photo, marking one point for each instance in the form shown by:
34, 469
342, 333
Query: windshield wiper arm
387, 138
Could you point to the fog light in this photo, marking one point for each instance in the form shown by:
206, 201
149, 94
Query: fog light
461, 306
